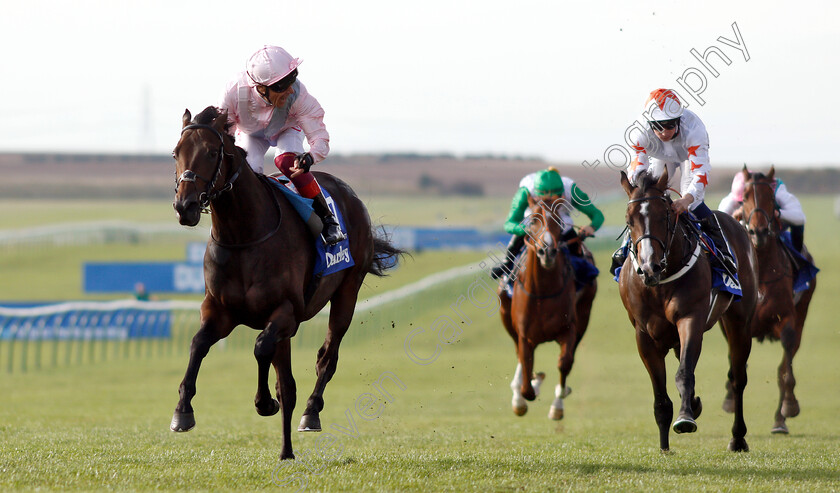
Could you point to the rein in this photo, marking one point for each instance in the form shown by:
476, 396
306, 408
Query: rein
666, 248
265, 237
209, 194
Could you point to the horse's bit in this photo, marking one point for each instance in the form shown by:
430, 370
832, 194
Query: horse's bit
189, 175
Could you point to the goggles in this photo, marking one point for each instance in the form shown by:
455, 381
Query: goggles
664, 125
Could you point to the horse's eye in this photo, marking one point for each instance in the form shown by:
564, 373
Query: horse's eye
213, 154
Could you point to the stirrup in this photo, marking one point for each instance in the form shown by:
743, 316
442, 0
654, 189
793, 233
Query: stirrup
332, 234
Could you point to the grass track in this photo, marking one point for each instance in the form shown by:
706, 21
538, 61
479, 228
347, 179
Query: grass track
105, 426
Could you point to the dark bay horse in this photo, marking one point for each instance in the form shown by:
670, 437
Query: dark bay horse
544, 306
779, 315
258, 268
667, 291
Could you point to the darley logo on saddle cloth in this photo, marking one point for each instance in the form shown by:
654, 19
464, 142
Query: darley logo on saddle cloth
329, 259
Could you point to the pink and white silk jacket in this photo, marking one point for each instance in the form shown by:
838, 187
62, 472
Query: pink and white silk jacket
253, 116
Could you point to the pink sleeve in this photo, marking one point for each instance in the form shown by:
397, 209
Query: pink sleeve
229, 102
310, 117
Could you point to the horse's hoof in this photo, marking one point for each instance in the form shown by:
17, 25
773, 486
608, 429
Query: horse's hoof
790, 409
738, 445
566, 391
520, 410
309, 422
728, 405
182, 422
685, 425
555, 413
696, 407
271, 411
780, 429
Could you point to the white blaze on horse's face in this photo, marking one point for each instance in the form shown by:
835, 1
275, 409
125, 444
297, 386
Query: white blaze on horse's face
547, 250
645, 246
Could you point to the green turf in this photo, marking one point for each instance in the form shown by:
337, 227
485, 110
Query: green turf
104, 426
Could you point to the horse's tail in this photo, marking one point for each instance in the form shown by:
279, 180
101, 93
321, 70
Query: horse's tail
385, 254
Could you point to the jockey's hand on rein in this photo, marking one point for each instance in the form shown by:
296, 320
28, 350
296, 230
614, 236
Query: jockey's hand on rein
303, 162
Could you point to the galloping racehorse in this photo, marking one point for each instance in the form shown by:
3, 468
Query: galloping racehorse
258, 268
544, 306
666, 287
779, 315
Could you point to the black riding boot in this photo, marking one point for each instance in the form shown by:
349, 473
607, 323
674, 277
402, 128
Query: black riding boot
618, 258
797, 236
331, 232
711, 227
514, 247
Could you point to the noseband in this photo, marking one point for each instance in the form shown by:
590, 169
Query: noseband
759, 210
209, 194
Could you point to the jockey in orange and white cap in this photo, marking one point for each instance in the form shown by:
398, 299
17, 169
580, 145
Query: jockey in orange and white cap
676, 138
270, 107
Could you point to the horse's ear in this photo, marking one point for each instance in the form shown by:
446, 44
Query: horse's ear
625, 184
772, 174
185, 120
662, 183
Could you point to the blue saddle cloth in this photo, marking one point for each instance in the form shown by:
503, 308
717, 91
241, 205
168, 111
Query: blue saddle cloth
805, 270
329, 258
585, 272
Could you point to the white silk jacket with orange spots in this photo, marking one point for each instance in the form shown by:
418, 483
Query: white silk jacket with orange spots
688, 150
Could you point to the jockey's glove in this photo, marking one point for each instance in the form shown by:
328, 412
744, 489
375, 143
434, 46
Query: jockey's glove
304, 161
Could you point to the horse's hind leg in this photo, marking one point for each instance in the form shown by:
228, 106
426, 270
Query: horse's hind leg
213, 328
280, 328
342, 306
286, 393
663, 408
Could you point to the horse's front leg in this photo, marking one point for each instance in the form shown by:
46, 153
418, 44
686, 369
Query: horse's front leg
654, 361
788, 404
691, 341
282, 326
214, 326
286, 392
736, 328
526, 359
568, 344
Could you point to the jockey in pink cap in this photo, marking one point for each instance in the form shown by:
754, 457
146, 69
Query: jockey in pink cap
677, 139
270, 107
789, 210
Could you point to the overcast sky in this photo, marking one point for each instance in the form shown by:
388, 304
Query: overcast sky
556, 79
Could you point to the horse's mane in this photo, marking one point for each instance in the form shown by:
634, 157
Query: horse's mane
646, 180
209, 115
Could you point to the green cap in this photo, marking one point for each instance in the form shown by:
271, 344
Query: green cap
548, 182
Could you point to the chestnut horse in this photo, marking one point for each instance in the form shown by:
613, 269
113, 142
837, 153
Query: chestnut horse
258, 268
780, 314
666, 287
544, 306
